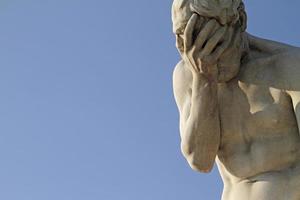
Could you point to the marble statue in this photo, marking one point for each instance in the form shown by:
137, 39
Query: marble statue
239, 101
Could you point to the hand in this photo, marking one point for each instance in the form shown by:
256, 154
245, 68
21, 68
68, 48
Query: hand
201, 52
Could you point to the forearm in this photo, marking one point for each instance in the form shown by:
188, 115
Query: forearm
200, 125
201, 137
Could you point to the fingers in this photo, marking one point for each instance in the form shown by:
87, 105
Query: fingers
216, 27
204, 33
214, 40
201, 21
188, 32
219, 50
204, 41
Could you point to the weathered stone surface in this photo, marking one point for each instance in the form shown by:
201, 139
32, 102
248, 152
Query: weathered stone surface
239, 101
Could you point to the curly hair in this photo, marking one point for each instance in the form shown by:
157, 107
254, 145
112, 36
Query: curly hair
225, 11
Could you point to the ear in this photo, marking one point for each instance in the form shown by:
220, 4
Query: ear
243, 20
243, 17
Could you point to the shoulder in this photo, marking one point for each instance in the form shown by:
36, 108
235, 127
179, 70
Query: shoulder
272, 63
267, 46
289, 59
182, 77
182, 81
287, 68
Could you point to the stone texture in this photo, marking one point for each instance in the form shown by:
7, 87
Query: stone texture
239, 101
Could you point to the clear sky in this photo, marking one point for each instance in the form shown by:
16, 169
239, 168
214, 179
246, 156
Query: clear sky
86, 107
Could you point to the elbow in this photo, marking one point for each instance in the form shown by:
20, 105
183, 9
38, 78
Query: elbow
201, 167
198, 162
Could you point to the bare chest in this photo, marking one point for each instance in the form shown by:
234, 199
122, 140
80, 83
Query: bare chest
251, 112
258, 124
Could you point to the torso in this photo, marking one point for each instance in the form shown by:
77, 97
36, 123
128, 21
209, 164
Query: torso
259, 153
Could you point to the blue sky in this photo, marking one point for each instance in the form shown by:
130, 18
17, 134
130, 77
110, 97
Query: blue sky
86, 107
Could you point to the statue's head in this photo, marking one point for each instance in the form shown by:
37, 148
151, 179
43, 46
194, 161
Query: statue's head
224, 11
227, 13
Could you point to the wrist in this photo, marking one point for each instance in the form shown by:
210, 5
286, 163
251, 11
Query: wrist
203, 79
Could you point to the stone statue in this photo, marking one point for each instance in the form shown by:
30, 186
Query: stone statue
239, 101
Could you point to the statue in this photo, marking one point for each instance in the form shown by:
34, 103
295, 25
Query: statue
239, 101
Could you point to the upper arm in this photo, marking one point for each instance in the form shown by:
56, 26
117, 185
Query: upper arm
182, 92
266, 45
288, 70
